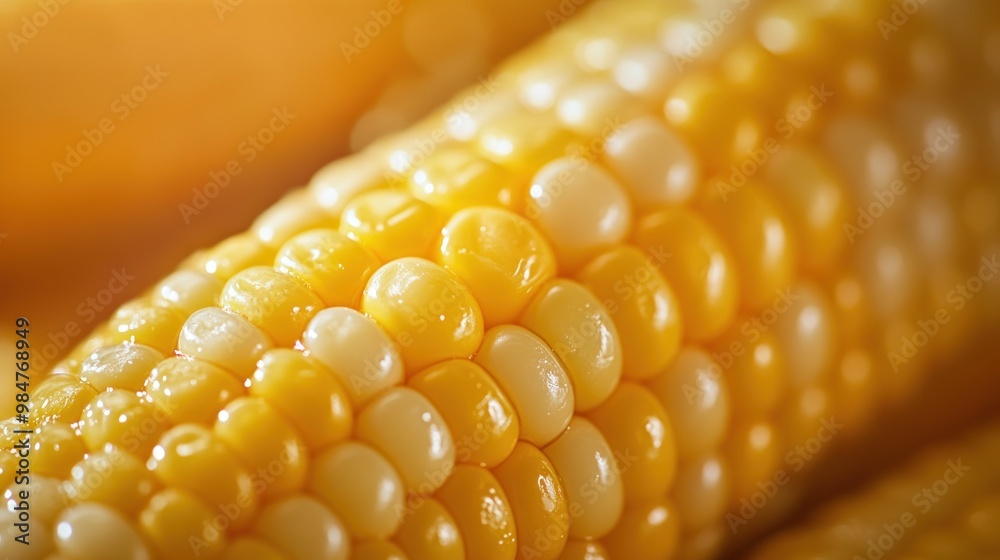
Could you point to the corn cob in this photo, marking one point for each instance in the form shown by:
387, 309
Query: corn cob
945, 504
553, 323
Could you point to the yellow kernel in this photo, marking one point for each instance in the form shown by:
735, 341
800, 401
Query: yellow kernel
306, 393
540, 83
500, 256
337, 183
479, 415
536, 497
391, 224
113, 478
331, 265
191, 390
641, 304
587, 466
806, 331
265, 442
532, 377
523, 142
805, 420
482, 513
47, 497
579, 330
694, 393
584, 550
639, 432
410, 432
754, 367
426, 310
175, 520
237, 253
122, 366
187, 291
145, 323
357, 351
251, 548
651, 531
294, 213
594, 107
580, 208
60, 398
452, 179
123, 419
8, 468
361, 487
756, 453
55, 448
91, 530
698, 267
224, 339
40, 539
654, 163
645, 71
190, 457
429, 531
277, 304
304, 529
376, 550
702, 491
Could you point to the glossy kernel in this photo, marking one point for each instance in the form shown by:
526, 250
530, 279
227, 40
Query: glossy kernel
277, 304
60, 398
481, 510
95, 531
123, 419
113, 478
187, 291
588, 467
361, 487
538, 502
452, 179
702, 491
361, 356
572, 322
698, 267
500, 256
265, 442
145, 323
333, 266
306, 393
754, 367
410, 432
523, 142
55, 448
482, 420
251, 548
584, 550
755, 451
191, 390
638, 430
236, 253
291, 215
580, 208
376, 550
192, 458
646, 532
225, 339
532, 377
123, 366
304, 529
807, 333
654, 163
429, 531
430, 314
642, 305
179, 526
391, 224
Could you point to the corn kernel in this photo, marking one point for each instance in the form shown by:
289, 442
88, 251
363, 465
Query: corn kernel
694, 393
114, 478
236, 253
306, 393
638, 431
265, 442
410, 432
479, 415
187, 291
144, 323
40, 539
481, 511
96, 531
391, 224
523, 142
223, 339
47, 499
429, 531
339, 182
584, 550
277, 304
8, 468
579, 330
536, 497
702, 491
361, 487
55, 448
580, 208
123, 419
250, 548
60, 398
331, 265
697, 265
191, 390
806, 334
654, 163
304, 529
647, 532
426, 310
179, 526
587, 466
755, 451
645, 71
190, 457
452, 179
754, 367
288, 217
123, 366
642, 305
594, 107
376, 550
500, 256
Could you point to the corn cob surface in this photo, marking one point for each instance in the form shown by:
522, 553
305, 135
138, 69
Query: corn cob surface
586, 316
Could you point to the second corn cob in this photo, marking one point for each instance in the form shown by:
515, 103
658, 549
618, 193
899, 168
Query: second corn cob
584, 316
